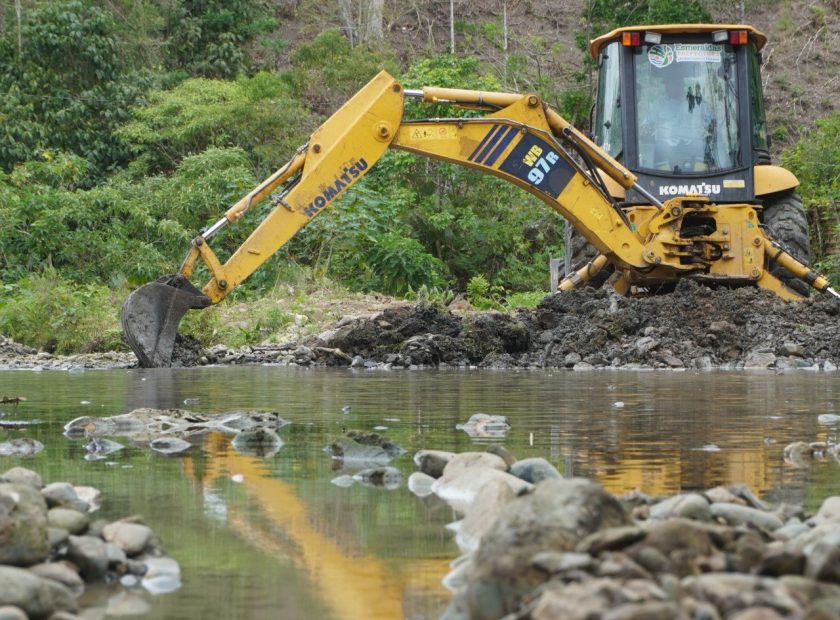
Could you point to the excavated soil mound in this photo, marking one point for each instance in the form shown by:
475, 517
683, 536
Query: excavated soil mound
694, 327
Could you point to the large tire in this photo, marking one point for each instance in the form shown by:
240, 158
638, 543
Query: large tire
579, 252
784, 217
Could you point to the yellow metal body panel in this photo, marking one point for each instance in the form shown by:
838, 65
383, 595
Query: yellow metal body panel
772, 179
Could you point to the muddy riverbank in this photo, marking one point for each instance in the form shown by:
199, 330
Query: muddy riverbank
694, 327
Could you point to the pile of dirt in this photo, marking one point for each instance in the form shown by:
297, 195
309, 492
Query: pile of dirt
694, 327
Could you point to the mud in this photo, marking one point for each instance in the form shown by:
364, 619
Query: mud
693, 327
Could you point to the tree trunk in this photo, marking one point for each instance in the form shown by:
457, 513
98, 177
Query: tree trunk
345, 11
373, 27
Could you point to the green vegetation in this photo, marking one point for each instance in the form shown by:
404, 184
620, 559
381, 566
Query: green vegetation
129, 126
815, 160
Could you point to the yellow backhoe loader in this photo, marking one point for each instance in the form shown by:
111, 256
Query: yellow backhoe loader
677, 183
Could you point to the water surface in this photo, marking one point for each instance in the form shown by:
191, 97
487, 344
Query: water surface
273, 537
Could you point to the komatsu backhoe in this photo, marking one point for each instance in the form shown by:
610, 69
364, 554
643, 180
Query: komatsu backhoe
676, 184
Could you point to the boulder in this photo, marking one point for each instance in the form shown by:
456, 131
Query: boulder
10, 612
385, 477
472, 460
130, 537
489, 501
22, 446
73, 521
432, 462
90, 554
744, 515
261, 442
62, 572
554, 517
534, 470
460, 491
691, 506
21, 475
63, 494
23, 525
36, 596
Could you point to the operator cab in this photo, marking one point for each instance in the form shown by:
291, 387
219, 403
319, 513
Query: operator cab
681, 106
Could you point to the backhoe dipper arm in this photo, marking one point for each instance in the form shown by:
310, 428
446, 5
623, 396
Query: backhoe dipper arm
521, 141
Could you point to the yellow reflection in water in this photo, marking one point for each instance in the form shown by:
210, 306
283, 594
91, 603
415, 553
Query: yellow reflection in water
354, 584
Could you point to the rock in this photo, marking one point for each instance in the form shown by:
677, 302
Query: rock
823, 560
22, 446
534, 470
556, 562
64, 495
37, 597
503, 453
420, 484
791, 349
90, 495
651, 610
485, 425
23, 525
489, 501
829, 510
432, 462
170, 445
130, 537
61, 572
824, 609
261, 442
722, 494
163, 575
71, 520
691, 506
791, 529
10, 612
611, 539
98, 449
386, 477
759, 359
90, 555
743, 515
758, 613
778, 562
21, 475
464, 461
56, 536
115, 554
460, 490
364, 447
554, 517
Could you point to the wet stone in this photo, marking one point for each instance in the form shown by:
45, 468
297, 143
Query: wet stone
21, 475
73, 521
90, 555
691, 506
534, 470
64, 495
432, 462
742, 515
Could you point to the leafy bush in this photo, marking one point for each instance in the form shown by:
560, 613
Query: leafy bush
254, 113
815, 160
49, 313
68, 89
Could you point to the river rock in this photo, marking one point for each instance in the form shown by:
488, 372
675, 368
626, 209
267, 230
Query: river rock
90, 495
261, 442
10, 612
364, 447
691, 506
90, 555
73, 521
56, 536
485, 425
130, 537
432, 462
98, 448
420, 484
460, 490
61, 572
386, 477
23, 525
163, 575
823, 560
829, 510
743, 515
170, 445
489, 501
36, 596
63, 494
22, 446
464, 461
21, 475
554, 517
534, 470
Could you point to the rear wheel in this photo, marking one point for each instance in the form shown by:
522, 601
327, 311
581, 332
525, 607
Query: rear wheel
784, 216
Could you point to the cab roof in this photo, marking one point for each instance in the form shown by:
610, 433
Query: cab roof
595, 45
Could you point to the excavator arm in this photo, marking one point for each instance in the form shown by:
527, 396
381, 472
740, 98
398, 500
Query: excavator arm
518, 139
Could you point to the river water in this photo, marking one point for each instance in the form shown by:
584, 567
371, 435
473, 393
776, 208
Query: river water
274, 537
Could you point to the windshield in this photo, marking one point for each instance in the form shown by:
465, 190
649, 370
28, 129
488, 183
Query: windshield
687, 112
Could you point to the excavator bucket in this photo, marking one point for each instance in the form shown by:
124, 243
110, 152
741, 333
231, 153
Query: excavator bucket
151, 314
